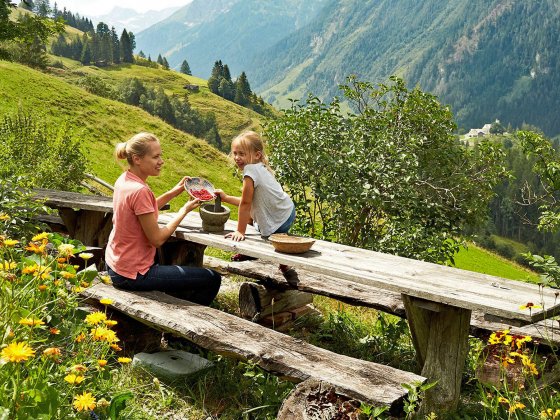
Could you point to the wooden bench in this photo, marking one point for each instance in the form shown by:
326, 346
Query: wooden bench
546, 331
438, 300
288, 357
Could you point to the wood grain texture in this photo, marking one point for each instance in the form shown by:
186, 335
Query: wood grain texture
232, 336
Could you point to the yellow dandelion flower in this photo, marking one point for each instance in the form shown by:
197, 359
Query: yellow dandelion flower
503, 400
53, 352
85, 255
66, 275
8, 265
106, 279
36, 248
95, 318
105, 301
66, 250
40, 237
84, 402
61, 260
84, 284
31, 322
77, 289
102, 362
74, 379
10, 242
104, 334
110, 322
31, 269
116, 347
4, 216
124, 360
17, 352
56, 282
516, 406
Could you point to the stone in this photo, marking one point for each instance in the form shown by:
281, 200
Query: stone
174, 364
213, 221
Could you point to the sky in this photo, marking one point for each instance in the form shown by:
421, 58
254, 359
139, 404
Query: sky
100, 7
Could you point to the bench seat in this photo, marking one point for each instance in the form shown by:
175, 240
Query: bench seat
231, 336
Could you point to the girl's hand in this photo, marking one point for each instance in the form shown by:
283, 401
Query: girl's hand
221, 193
236, 236
190, 205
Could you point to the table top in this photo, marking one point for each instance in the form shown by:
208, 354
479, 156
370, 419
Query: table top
432, 282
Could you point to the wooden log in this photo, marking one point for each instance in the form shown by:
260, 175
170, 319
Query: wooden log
441, 342
181, 253
232, 336
257, 301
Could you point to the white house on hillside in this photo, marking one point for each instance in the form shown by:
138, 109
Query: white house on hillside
479, 132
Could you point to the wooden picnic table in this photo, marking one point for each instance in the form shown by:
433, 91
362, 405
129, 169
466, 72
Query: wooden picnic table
438, 300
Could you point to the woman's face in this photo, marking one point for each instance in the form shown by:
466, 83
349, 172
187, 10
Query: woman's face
150, 164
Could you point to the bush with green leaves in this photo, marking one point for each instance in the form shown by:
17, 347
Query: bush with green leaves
45, 155
389, 177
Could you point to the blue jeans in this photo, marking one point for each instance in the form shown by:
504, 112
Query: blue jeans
198, 285
285, 228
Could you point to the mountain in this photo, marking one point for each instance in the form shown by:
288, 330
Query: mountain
487, 59
229, 30
132, 20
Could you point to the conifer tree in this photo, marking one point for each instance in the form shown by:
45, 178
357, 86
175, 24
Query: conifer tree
185, 68
85, 59
126, 48
159, 60
115, 46
164, 63
215, 77
242, 90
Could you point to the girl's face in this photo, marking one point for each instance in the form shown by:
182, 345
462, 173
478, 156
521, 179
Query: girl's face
241, 157
150, 164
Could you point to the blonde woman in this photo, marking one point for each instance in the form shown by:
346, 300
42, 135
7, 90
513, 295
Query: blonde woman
136, 234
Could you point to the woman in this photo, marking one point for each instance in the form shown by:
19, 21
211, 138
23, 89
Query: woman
136, 233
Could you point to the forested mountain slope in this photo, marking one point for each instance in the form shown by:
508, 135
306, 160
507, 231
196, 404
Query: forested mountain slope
487, 59
229, 30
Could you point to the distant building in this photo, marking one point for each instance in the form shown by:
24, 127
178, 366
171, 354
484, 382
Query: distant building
480, 132
193, 88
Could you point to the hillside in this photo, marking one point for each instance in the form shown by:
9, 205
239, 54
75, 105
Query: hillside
488, 60
229, 30
101, 123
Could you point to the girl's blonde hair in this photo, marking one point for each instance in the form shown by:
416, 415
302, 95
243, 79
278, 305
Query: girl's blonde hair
251, 143
138, 145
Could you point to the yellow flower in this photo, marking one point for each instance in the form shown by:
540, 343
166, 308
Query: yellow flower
42, 287
17, 352
124, 360
66, 250
84, 402
498, 337
104, 334
77, 289
67, 275
10, 242
54, 331
515, 406
85, 255
110, 323
4, 216
503, 400
106, 279
8, 265
40, 237
116, 347
80, 337
95, 318
529, 305
74, 379
102, 362
84, 284
549, 414
105, 301
31, 322
53, 352
36, 248
78, 368
31, 269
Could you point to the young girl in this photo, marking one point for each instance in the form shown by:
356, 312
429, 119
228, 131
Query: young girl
136, 233
262, 200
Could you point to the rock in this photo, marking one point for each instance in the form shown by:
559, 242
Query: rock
175, 364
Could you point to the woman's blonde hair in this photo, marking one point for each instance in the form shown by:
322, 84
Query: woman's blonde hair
251, 143
138, 145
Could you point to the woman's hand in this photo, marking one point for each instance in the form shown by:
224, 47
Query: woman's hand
190, 205
180, 187
236, 236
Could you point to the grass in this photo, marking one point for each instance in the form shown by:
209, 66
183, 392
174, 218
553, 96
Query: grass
475, 258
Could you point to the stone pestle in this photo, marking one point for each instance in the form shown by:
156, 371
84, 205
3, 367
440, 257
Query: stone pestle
218, 204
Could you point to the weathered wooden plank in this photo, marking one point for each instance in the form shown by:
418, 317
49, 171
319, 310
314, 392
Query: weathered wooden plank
257, 301
447, 285
67, 199
546, 331
273, 351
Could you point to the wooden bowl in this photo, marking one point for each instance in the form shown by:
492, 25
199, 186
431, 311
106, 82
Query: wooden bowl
290, 244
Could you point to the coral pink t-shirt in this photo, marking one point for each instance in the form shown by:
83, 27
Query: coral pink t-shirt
129, 252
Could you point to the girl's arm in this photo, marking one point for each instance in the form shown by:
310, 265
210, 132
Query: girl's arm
230, 199
166, 197
244, 216
156, 234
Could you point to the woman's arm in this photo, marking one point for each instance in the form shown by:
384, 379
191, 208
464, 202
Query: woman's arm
244, 216
166, 197
156, 234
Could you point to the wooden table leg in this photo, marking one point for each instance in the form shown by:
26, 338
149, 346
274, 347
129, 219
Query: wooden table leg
89, 227
181, 252
440, 335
